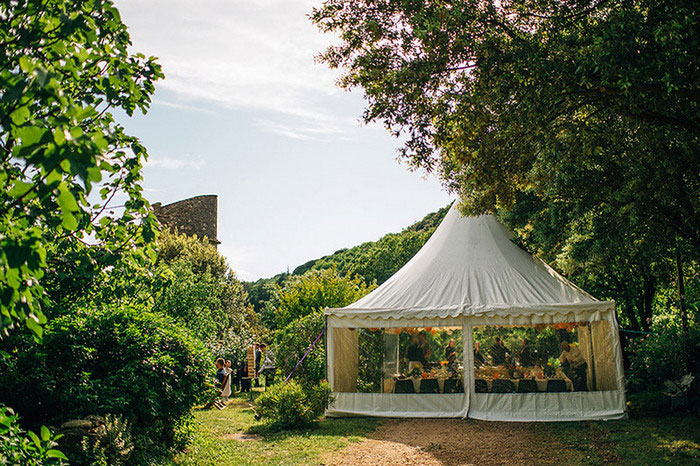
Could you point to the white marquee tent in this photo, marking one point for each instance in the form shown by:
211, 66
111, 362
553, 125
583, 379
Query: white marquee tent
467, 276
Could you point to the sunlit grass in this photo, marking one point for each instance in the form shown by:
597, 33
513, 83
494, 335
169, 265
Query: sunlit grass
638, 441
218, 440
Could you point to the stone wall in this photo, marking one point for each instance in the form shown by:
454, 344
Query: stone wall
194, 216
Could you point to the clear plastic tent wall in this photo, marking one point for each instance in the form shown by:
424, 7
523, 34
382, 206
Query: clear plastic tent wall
473, 326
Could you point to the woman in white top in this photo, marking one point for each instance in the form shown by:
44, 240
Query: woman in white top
226, 391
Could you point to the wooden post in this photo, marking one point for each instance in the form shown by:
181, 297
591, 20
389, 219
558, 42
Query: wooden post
251, 368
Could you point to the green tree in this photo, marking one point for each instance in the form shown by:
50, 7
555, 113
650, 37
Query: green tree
590, 102
312, 293
202, 292
64, 66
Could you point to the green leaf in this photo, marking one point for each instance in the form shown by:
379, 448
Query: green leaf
19, 188
34, 438
66, 199
69, 222
31, 135
37, 329
45, 434
20, 115
53, 453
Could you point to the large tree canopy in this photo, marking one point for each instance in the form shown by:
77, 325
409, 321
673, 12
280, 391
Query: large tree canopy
64, 65
581, 103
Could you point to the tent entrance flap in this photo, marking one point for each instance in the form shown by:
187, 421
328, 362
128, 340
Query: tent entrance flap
345, 364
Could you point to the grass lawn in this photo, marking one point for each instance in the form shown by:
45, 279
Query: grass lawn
219, 439
638, 441
232, 436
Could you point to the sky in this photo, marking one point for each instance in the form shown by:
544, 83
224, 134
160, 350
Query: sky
245, 112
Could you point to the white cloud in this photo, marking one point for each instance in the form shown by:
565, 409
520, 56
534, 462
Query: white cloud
243, 54
171, 163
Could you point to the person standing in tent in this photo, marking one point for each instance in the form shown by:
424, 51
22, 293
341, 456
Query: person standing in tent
450, 349
478, 357
415, 354
526, 358
574, 366
498, 352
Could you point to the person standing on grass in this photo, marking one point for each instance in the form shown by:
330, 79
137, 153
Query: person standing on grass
258, 355
220, 373
268, 366
226, 384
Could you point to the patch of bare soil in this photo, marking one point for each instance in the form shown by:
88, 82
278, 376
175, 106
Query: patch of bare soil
451, 442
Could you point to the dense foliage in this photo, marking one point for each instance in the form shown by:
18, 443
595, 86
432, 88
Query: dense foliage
660, 356
25, 447
291, 343
292, 405
311, 293
577, 121
298, 309
588, 101
63, 66
125, 361
201, 292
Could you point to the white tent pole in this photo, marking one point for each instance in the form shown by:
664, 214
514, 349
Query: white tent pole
467, 363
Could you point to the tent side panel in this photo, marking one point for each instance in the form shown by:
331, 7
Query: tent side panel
345, 359
444, 405
575, 406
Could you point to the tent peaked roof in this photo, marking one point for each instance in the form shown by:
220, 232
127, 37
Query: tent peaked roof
470, 266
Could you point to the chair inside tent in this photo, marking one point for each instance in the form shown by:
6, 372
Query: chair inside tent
474, 326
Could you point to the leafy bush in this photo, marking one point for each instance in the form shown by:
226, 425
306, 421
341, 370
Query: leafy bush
292, 342
659, 357
289, 405
113, 448
26, 448
122, 361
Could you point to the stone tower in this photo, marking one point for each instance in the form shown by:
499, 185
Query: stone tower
194, 216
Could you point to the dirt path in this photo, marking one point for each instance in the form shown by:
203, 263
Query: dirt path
451, 442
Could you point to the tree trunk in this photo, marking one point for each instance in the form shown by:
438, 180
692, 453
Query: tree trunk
648, 302
681, 291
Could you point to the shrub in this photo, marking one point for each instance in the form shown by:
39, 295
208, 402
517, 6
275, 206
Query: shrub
113, 448
289, 405
26, 448
658, 357
123, 361
292, 342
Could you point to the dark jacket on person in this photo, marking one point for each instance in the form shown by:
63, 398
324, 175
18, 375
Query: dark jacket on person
526, 357
498, 354
415, 353
478, 357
